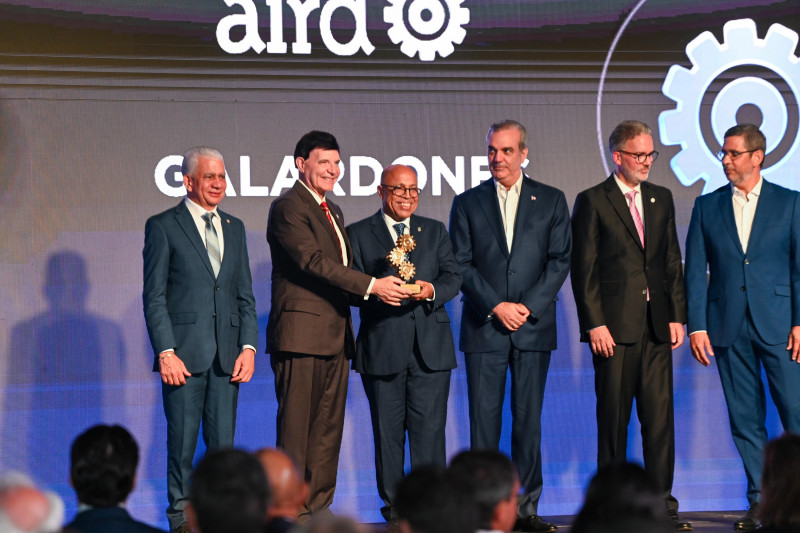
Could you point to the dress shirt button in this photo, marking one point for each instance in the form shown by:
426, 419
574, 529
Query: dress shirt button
742, 288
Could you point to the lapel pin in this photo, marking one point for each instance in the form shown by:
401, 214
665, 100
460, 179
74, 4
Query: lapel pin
652, 200
419, 228
533, 197
228, 220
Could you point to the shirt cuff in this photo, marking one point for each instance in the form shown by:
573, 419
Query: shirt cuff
369, 289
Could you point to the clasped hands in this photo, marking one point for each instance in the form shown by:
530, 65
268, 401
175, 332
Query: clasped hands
173, 371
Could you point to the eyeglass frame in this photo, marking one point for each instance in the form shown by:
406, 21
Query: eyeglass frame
413, 192
641, 157
722, 153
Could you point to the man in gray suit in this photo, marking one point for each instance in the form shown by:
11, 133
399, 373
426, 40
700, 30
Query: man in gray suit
404, 354
201, 318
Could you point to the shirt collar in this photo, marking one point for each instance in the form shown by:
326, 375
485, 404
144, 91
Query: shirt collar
390, 222
624, 187
517, 187
196, 210
316, 196
755, 192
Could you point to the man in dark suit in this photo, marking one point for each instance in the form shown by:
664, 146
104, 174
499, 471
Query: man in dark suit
310, 334
405, 354
629, 292
512, 239
201, 318
103, 474
747, 313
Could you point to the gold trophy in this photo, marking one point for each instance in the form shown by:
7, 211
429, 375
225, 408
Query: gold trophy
398, 256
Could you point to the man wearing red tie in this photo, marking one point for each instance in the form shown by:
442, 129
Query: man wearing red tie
310, 333
629, 292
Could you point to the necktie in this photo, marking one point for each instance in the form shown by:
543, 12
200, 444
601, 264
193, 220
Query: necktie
212, 243
324, 206
399, 228
637, 219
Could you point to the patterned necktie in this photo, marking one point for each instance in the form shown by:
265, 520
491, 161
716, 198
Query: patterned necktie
324, 206
637, 219
212, 243
399, 229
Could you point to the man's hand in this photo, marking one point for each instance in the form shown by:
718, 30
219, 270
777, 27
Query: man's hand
426, 293
676, 334
601, 342
701, 347
511, 315
794, 343
172, 369
244, 366
389, 290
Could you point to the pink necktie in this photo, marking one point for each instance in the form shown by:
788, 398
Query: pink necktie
637, 219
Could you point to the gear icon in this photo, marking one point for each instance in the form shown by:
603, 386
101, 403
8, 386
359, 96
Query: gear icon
427, 18
741, 46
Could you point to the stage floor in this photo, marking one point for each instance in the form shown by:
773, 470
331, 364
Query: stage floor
703, 522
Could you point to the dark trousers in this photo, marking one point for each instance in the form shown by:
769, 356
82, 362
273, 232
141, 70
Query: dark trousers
209, 397
642, 370
486, 386
311, 392
740, 373
414, 400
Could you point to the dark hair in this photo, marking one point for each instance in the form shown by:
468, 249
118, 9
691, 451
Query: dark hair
314, 139
754, 139
229, 492
489, 476
622, 497
432, 502
625, 131
103, 465
509, 124
780, 490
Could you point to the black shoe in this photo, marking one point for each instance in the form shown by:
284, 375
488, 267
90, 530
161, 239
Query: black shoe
678, 523
183, 528
534, 524
749, 521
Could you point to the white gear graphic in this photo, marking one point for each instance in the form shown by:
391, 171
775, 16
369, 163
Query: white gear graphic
410, 45
741, 46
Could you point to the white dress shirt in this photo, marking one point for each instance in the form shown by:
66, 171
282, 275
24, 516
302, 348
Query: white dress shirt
744, 211
509, 201
197, 213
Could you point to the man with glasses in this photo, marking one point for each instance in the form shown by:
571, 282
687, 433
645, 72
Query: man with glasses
511, 238
405, 354
629, 292
747, 312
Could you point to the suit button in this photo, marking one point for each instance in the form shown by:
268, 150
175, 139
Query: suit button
216, 288
214, 316
746, 261
411, 317
742, 288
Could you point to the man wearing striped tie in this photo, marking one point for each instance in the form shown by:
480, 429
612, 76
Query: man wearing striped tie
201, 318
628, 285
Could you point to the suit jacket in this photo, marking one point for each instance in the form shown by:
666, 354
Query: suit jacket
766, 279
311, 287
185, 307
531, 274
387, 334
611, 272
107, 519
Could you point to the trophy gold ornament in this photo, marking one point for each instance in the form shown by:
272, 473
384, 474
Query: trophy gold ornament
398, 257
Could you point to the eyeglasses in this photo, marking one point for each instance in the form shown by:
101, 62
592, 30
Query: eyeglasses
399, 190
641, 158
733, 153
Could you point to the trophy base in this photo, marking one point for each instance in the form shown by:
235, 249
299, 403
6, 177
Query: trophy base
413, 287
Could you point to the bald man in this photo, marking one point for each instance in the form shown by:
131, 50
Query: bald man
24, 508
287, 489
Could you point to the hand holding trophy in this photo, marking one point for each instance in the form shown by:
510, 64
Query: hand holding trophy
398, 257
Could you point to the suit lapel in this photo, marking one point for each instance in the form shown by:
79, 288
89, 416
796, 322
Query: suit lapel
319, 214
525, 208
381, 232
187, 224
487, 199
725, 210
763, 212
620, 205
230, 241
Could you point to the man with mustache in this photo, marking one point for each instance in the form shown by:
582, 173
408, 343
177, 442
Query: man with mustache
511, 236
746, 313
629, 292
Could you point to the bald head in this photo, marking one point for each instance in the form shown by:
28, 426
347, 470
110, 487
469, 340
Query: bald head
287, 487
26, 507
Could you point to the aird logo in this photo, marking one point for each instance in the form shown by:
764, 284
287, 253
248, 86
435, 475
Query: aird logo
420, 27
